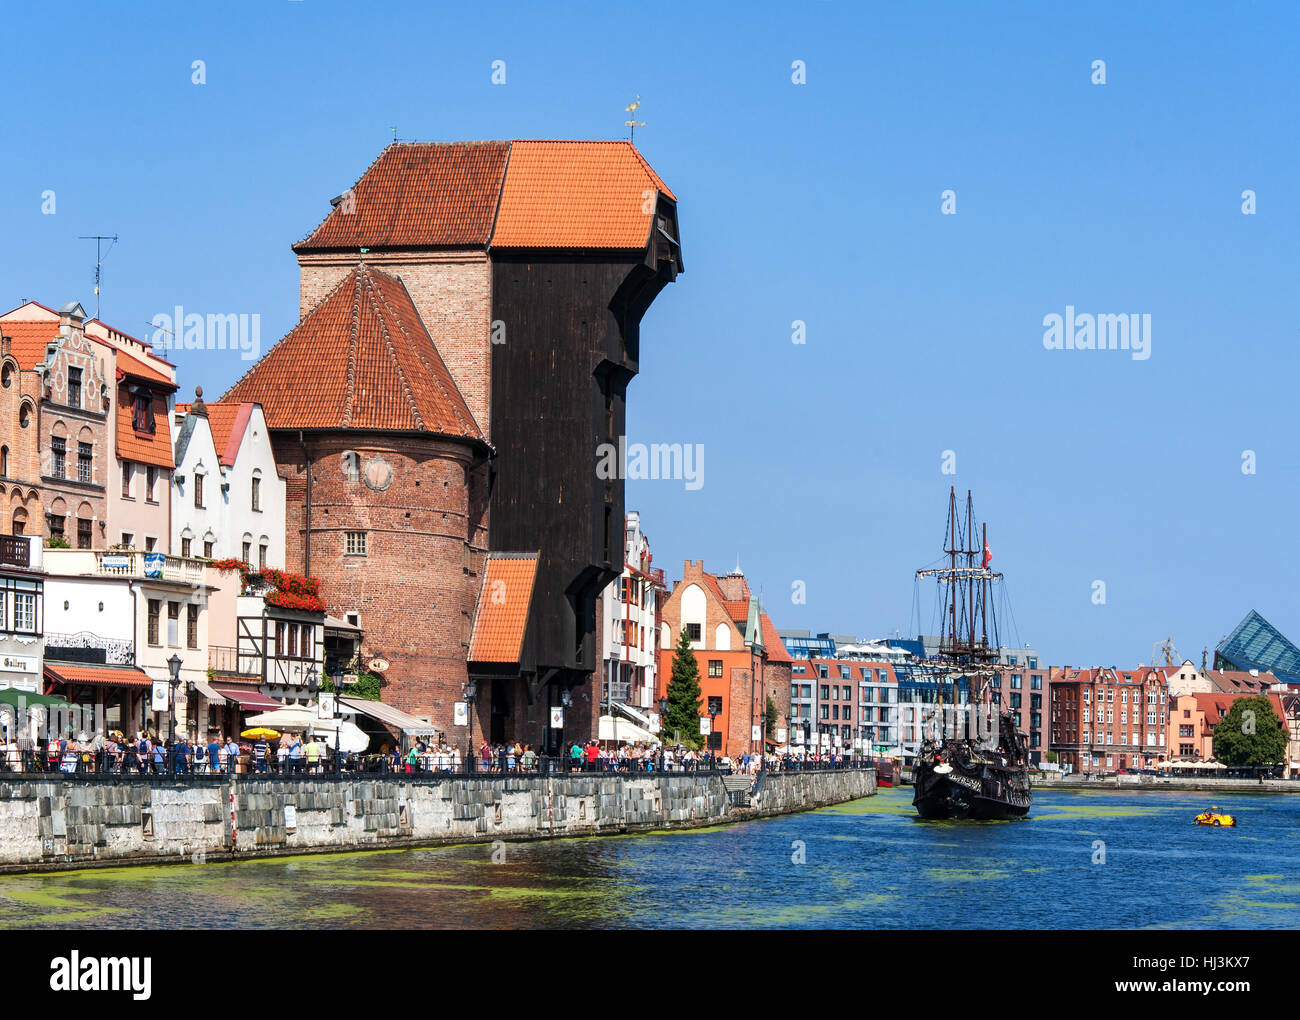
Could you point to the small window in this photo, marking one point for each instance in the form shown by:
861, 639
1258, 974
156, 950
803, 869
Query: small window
208, 548
715, 667
246, 551
25, 416
261, 554
356, 543
128, 473
4, 462
173, 624
142, 412
155, 611
74, 387
257, 494
58, 457
185, 547
715, 706
83, 533
693, 631
149, 543
54, 524
151, 479
128, 540
83, 462
198, 491
191, 626
7, 375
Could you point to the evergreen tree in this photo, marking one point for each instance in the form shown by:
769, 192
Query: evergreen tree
1250, 734
684, 697
773, 717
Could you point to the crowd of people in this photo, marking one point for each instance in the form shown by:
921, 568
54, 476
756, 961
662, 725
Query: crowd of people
147, 753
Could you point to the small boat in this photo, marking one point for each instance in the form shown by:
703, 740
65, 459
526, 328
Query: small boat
886, 772
1214, 817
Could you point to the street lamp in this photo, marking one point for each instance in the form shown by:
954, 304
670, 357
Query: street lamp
471, 693
663, 729
174, 668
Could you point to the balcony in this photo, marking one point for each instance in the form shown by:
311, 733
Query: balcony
129, 563
20, 551
227, 661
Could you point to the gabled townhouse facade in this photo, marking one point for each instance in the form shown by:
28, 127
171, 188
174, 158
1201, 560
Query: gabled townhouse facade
227, 498
87, 453
740, 657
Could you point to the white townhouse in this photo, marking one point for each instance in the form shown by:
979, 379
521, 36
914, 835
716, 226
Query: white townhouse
628, 611
227, 499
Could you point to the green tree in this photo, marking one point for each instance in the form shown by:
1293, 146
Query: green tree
773, 717
367, 685
684, 696
1250, 734
1050, 757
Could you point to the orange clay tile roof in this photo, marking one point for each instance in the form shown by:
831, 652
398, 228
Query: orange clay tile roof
586, 195
418, 195
112, 676
144, 448
128, 364
29, 340
772, 641
227, 420
361, 359
503, 604
577, 195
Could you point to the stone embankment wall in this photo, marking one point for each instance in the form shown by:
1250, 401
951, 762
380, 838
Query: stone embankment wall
1142, 784
48, 824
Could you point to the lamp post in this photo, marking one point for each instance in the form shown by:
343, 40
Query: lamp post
663, 729
338, 724
174, 669
471, 694
566, 699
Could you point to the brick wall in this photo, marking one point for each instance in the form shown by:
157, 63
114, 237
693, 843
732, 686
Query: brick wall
20, 494
412, 589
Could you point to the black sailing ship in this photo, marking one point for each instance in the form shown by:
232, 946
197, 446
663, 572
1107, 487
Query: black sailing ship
973, 762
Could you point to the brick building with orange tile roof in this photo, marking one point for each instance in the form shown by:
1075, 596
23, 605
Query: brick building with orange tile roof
741, 659
470, 322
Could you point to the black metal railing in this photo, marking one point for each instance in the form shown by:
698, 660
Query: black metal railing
182, 762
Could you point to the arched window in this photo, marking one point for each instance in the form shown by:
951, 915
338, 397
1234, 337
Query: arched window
4, 462
7, 375
20, 522
25, 415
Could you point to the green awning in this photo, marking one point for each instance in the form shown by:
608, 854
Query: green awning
30, 699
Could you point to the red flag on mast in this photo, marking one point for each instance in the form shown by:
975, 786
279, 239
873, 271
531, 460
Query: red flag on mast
988, 554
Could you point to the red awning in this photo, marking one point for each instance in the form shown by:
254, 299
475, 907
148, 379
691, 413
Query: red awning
247, 699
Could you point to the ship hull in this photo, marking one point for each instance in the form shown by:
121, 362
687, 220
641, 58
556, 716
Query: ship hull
985, 793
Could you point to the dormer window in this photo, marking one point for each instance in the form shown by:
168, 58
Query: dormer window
142, 412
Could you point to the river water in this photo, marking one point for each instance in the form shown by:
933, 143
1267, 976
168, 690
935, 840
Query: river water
1081, 860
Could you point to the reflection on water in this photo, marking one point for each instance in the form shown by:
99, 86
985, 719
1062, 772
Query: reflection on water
870, 863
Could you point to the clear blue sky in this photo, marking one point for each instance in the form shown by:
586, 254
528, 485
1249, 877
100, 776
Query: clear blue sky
818, 202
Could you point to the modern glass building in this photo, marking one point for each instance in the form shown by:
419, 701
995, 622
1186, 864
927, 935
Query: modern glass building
1257, 644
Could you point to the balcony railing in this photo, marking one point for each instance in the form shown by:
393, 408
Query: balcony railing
15, 550
230, 661
85, 646
132, 563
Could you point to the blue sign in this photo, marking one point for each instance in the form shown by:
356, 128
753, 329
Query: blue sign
153, 564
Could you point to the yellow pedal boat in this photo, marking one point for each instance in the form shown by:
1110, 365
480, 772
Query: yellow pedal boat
1214, 817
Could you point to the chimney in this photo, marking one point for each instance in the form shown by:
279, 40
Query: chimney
199, 407
71, 317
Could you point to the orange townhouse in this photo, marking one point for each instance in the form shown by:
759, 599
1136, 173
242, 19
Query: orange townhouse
741, 659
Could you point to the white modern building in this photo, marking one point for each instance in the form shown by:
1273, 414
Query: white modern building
628, 609
227, 499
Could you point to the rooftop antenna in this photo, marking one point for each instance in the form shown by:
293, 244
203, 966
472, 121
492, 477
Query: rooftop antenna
99, 240
393, 128
632, 125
